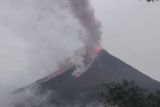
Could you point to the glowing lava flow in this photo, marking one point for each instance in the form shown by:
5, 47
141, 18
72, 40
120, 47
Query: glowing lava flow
98, 50
67, 64
93, 56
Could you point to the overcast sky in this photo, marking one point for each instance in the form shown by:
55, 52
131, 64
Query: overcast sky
131, 32
37, 35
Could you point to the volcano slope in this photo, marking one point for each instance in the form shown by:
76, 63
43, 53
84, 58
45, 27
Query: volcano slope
87, 87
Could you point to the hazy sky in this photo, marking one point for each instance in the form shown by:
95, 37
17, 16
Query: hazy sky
37, 35
131, 32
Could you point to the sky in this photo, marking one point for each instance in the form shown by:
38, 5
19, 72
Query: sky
34, 39
36, 36
131, 32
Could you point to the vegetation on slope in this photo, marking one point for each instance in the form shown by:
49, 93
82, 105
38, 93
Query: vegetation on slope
128, 94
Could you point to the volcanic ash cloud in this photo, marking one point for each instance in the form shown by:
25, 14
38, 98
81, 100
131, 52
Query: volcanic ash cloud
85, 14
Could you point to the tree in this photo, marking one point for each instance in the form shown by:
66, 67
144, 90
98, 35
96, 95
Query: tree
128, 94
125, 94
153, 99
151, 0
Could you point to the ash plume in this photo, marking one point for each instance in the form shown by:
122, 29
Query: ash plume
46, 33
85, 14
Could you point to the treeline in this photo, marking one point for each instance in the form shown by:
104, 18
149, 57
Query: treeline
151, 0
129, 94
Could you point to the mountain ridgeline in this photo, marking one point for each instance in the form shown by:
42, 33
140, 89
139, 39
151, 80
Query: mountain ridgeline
87, 87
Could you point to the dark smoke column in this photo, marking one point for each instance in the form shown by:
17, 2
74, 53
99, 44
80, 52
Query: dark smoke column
85, 14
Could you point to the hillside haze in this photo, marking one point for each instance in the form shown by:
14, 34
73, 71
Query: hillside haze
87, 87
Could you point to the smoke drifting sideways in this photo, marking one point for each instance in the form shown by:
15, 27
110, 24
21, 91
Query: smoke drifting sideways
39, 36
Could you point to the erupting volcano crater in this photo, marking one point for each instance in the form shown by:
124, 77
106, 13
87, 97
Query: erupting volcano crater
82, 83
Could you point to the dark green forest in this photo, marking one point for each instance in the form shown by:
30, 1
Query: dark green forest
129, 94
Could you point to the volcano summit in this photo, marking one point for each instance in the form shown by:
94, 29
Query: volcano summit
86, 87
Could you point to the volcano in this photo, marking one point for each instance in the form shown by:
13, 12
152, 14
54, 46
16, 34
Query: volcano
87, 87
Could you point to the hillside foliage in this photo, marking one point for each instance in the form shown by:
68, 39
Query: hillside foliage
128, 94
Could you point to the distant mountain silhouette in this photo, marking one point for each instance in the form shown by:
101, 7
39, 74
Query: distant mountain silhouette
87, 87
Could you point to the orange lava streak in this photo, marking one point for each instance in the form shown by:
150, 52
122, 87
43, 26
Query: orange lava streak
98, 50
